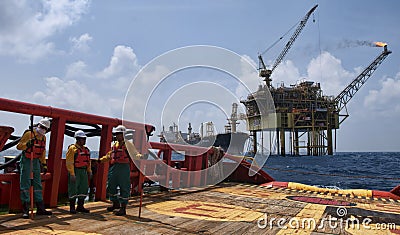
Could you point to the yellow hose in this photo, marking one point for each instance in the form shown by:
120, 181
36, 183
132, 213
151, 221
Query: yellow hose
354, 192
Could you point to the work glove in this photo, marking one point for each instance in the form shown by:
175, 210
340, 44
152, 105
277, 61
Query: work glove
72, 178
44, 168
139, 156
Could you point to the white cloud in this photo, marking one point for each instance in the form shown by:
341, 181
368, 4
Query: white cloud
329, 71
141, 93
122, 62
77, 70
249, 77
286, 72
81, 43
122, 68
74, 95
385, 100
29, 25
325, 69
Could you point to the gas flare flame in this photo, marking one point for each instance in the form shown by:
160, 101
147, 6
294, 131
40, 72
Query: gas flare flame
380, 44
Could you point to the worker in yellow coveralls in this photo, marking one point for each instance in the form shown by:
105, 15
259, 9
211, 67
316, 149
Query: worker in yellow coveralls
79, 169
33, 146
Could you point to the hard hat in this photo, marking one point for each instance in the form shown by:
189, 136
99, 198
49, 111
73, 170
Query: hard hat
45, 122
119, 129
80, 134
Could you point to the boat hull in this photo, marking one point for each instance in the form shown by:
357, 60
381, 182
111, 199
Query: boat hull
232, 143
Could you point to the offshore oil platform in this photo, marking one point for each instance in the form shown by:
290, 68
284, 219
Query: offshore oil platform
301, 110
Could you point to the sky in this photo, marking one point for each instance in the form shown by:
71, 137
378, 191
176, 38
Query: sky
86, 56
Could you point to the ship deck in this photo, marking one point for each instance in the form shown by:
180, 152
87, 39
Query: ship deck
228, 208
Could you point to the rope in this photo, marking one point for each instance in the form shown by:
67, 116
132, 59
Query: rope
335, 175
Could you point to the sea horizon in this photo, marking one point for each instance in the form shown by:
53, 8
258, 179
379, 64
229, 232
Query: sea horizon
345, 170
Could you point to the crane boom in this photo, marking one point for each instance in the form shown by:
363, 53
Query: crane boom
266, 73
293, 38
344, 97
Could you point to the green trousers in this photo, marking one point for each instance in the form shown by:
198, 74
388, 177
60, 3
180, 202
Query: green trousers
79, 188
119, 175
25, 179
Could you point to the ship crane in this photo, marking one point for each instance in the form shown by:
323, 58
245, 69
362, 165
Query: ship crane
345, 96
266, 73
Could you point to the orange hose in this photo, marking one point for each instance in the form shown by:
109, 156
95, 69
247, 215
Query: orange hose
31, 191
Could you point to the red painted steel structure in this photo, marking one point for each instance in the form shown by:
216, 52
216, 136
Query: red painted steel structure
60, 117
196, 158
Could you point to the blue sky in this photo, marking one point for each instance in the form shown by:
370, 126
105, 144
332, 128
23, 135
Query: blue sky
82, 55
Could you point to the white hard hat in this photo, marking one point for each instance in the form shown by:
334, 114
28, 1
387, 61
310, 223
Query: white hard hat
119, 129
80, 134
45, 122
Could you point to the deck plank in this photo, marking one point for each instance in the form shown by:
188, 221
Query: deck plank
228, 208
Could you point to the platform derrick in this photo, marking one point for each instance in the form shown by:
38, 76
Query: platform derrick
254, 112
301, 110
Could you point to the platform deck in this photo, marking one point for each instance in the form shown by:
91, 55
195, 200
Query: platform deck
228, 208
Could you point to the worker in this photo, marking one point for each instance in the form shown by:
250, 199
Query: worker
119, 171
79, 169
33, 146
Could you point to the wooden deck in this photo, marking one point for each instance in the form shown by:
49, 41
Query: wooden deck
228, 208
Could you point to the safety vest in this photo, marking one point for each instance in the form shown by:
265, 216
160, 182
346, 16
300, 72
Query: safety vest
120, 154
36, 151
82, 158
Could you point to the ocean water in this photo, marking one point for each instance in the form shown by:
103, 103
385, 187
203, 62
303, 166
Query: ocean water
355, 170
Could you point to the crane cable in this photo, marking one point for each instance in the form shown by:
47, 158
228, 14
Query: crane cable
273, 44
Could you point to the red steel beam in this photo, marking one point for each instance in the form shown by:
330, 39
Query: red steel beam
54, 160
101, 178
69, 115
48, 111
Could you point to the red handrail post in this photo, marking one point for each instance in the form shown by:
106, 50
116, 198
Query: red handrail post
205, 167
54, 163
101, 175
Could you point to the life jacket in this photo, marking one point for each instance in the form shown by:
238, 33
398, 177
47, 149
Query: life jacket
82, 157
36, 151
119, 154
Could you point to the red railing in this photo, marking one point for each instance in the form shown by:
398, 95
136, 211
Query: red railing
190, 172
54, 163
